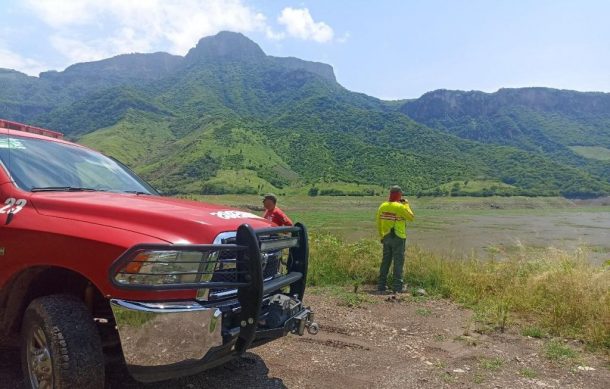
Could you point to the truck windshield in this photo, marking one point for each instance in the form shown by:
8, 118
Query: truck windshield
40, 165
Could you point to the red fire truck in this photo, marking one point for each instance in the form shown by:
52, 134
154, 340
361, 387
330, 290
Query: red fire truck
96, 265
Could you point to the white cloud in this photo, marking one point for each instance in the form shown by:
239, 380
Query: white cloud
141, 25
344, 38
184, 27
300, 24
276, 36
59, 13
11, 60
78, 51
87, 30
125, 40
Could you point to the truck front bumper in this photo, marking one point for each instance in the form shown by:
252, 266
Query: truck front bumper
168, 340
172, 335
162, 340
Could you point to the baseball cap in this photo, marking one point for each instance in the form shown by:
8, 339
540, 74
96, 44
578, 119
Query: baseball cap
270, 196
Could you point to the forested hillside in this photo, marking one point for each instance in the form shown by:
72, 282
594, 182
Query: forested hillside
229, 118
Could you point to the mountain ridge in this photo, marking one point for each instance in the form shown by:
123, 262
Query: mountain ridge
553, 121
228, 117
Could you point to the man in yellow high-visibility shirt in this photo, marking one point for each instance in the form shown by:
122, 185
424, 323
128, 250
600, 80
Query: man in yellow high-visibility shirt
392, 219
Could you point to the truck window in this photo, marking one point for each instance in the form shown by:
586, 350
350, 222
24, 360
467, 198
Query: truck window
37, 163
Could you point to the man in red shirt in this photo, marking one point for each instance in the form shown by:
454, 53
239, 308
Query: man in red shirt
273, 213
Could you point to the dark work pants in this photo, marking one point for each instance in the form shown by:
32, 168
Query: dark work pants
393, 251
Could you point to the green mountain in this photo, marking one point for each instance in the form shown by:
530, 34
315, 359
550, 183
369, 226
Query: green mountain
570, 127
528, 118
229, 118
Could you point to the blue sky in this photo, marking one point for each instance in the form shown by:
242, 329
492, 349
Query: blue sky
388, 49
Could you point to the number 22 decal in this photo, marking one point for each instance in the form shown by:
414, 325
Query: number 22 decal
12, 205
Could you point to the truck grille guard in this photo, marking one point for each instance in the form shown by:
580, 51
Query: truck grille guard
249, 250
274, 263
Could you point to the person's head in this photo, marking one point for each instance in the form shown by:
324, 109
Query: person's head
395, 193
269, 201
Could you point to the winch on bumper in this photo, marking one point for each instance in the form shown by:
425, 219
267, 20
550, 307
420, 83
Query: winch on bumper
162, 340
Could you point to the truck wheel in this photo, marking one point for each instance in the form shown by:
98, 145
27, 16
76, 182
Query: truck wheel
60, 345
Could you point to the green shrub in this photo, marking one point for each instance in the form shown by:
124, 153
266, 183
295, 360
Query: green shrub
557, 292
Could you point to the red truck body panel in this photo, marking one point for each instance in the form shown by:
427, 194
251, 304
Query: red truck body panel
181, 286
86, 231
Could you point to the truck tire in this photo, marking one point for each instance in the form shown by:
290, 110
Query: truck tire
60, 345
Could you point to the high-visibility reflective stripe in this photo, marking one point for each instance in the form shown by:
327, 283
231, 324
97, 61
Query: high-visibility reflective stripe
390, 216
393, 216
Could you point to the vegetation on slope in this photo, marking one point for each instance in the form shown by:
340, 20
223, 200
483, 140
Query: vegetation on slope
185, 122
557, 292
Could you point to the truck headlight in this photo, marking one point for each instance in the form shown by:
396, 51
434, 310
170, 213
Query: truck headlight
166, 267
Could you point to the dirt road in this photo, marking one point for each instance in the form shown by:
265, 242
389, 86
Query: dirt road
387, 343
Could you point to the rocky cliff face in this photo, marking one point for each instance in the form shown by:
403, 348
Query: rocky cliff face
475, 103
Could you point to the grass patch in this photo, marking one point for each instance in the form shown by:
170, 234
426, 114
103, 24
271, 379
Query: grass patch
532, 332
557, 351
528, 373
470, 341
347, 297
559, 292
335, 262
354, 217
448, 378
492, 364
593, 152
478, 378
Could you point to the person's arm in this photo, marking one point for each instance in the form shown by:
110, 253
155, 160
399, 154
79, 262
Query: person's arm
287, 221
283, 219
407, 212
378, 218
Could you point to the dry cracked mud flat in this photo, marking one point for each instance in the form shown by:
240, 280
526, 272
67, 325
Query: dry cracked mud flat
385, 343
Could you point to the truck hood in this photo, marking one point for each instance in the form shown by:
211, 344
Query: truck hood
165, 218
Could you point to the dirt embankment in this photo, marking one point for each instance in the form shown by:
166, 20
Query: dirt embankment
389, 343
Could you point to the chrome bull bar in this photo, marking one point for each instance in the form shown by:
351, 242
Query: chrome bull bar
156, 335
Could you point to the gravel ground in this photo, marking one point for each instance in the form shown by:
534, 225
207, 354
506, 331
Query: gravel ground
385, 343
